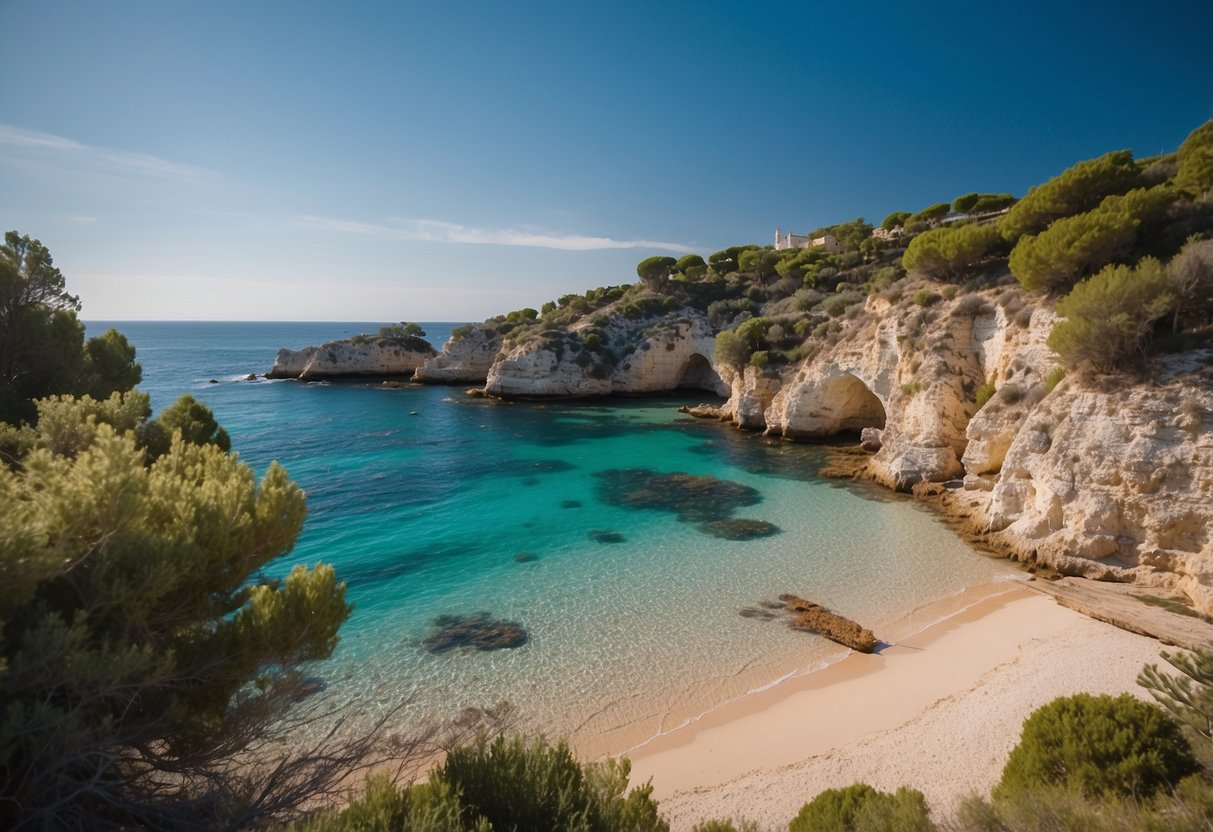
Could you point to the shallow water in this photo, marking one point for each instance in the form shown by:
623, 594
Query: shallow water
423, 498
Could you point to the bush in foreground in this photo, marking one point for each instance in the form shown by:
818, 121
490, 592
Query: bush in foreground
147, 661
504, 784
1097, 746
861, 808
1189, 809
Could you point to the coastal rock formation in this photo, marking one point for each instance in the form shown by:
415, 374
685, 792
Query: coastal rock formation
465, 358
1113, 482
611, 354
358, 356
814, 618
909, 373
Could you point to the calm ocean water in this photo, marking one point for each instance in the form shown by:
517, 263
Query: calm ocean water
423, 498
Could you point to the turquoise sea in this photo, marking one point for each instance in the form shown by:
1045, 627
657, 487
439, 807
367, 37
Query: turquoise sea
423, 499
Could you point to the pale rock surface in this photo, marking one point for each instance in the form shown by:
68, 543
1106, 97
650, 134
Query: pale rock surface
463, 360
910, 372
1115, 482
657, 355
336, 359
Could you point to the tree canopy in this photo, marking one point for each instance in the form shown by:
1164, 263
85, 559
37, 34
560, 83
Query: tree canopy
1074, 246
895, 220
654, 271
136, 619
1195, 157
949, 252
1075, 190
42, 348
930, 214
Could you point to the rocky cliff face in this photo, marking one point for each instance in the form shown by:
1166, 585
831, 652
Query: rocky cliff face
465, 359
1103, 477
1115, 482
617, 356
353, 357
907, 374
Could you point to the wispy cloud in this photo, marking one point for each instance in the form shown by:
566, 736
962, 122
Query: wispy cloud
448, 232
106, 159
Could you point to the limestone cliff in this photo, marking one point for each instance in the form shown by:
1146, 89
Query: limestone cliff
359, 356
610, 354
1113, 480
465, 358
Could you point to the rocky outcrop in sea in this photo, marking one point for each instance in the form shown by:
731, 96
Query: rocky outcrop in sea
363, 355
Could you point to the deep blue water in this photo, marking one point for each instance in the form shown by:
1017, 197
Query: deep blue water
423, 499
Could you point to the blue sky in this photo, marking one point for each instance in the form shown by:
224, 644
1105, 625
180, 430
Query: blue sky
449, 161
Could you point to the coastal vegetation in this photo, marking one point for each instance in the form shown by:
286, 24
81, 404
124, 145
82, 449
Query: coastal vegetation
773, 308
149, 666
152, 665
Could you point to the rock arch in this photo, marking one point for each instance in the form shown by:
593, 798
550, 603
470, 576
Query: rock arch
698, 374
837, 404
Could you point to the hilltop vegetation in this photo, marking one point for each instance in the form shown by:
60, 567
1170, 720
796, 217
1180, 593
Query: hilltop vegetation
1130, 238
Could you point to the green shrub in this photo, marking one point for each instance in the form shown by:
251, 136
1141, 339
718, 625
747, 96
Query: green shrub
1071, 247
838, 304
983, 394
1108, 317
925, 297
1098, 745
513, 784
725, 826
1195, 156
760, 359
860, 808
432, 807
1189, 809
1078, 245
1077, 189
731, 349
950, 252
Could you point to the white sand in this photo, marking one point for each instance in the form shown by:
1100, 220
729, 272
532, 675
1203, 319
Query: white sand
939, 712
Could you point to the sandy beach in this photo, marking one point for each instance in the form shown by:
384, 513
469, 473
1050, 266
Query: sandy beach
938, 710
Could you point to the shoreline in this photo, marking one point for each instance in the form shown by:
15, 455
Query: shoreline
630, 739
938, 711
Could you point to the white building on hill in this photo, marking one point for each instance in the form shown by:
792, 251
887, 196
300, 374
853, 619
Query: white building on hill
785, 241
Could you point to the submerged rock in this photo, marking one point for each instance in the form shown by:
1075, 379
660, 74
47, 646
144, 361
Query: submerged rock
606, 536
478, 631
694, 499
739, 529
756, 612
525, 557
570, 503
